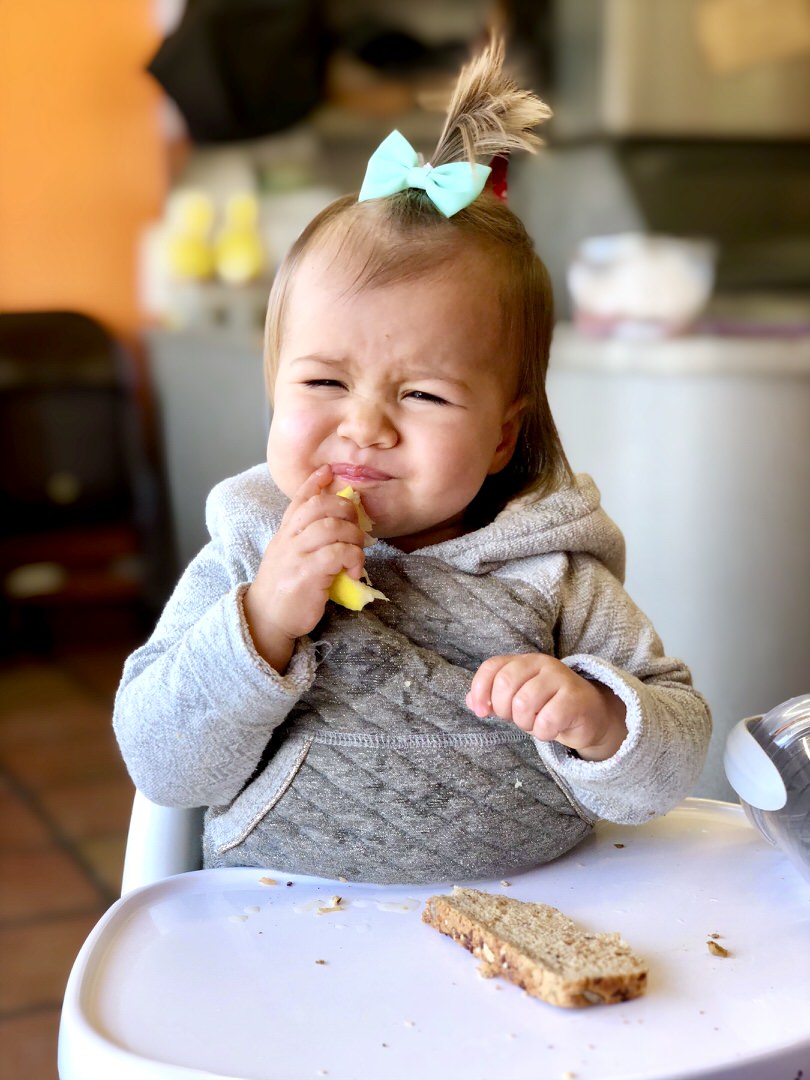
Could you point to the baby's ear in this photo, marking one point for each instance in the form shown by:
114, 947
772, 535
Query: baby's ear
510, 432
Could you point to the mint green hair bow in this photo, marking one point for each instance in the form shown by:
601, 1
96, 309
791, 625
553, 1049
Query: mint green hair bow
394, 166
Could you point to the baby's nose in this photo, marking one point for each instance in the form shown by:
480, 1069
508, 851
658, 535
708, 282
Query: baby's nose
367, 423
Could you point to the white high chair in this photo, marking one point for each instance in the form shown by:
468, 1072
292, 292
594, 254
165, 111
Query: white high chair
161, 842
228, 974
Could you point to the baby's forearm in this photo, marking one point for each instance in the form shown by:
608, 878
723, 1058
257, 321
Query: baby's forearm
196, 707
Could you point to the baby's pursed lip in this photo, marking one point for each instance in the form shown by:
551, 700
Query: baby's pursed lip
358, 474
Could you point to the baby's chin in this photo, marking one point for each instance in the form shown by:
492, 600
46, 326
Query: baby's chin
424, 537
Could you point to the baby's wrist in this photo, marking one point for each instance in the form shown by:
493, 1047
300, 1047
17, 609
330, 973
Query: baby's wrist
273, 644
612, 728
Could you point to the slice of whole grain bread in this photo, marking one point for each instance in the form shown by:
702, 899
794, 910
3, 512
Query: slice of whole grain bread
539, 949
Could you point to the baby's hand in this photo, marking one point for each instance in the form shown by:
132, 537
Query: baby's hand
543, 696
318, 537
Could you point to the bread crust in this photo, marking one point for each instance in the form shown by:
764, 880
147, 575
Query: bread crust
504, 958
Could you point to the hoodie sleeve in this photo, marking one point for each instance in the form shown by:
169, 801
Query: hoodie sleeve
197, 704
603, 636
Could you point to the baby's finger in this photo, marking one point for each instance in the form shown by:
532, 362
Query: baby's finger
530, 700
314, 484
564, 713
547, 726
320, 532
327, 562
479, 697
321, 507
508, 684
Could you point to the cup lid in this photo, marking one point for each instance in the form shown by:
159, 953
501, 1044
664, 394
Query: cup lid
751, 772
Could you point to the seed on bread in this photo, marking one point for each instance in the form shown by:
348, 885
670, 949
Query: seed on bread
717, 950
539, 949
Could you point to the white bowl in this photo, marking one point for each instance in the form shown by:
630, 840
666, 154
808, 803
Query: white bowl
637, 286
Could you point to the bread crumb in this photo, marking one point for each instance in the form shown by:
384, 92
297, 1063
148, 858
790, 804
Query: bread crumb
335, 904
320, 961
267, 881
717, 950
506, 884
618, 845
518, 784
714, 935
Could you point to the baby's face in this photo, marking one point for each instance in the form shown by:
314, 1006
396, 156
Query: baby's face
402, 390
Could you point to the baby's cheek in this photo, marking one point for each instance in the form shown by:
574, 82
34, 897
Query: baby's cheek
296, 425
294, 433
292, 449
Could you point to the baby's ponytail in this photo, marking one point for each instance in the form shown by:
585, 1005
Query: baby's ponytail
489, 114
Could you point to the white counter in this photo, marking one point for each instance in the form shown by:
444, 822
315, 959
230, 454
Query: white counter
701, 449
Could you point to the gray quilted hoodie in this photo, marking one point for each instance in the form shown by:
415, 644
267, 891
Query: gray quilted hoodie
362, 760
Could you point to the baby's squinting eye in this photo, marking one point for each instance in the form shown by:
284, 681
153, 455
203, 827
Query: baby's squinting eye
330, 383
423, 395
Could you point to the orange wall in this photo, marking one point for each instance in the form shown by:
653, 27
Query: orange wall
82, 165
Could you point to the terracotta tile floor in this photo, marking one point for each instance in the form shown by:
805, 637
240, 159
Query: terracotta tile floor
65, 799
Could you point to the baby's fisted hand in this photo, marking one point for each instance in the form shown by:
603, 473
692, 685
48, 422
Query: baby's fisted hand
318, 537
542, 696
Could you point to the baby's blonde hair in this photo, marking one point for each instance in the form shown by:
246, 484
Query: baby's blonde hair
404, 236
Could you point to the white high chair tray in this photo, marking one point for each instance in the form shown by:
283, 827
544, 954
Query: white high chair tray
219, 973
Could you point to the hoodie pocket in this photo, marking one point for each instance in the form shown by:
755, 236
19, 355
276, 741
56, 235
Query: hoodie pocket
229, 827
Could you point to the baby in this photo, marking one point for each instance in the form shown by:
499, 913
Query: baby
508, 693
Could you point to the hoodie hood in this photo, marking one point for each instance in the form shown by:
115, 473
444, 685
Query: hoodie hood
570, 521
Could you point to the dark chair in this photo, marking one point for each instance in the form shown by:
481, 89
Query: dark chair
82, 510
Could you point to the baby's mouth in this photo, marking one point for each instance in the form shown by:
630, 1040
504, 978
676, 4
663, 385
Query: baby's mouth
358, 474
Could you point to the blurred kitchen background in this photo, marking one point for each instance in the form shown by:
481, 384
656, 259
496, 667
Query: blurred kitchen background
157, 157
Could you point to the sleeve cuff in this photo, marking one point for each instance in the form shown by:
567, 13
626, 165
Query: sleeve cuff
300, 673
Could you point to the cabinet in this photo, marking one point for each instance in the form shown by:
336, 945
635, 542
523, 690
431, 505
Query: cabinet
214, 418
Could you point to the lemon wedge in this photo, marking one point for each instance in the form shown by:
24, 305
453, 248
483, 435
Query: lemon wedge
344, 590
